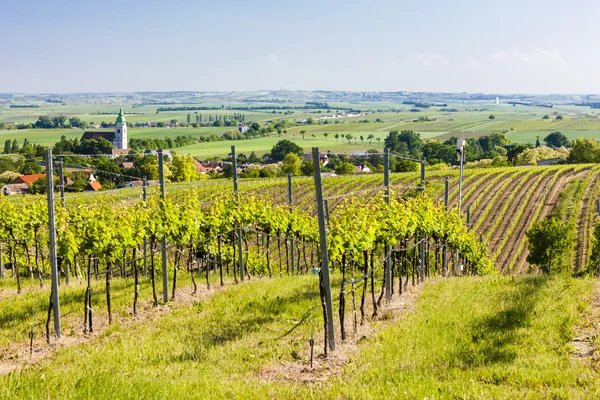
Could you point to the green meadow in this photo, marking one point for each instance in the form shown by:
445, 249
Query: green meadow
499, 337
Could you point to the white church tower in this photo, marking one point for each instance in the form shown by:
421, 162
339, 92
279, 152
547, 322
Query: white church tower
120, 140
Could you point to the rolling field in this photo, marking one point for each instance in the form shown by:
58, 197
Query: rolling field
522, 124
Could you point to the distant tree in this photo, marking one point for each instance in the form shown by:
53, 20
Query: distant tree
30, 168
59, 121
38, 186
404, 142
189, 118
268, 172
436, 152
405, 166
513, 153
284, 147
362, 139
303, 132
183, 169
80, 181
253, 158
546, 116
310, 121
492, 116
160, 124
146, 166
370, 138
7, 146
559, 117
547, 241
227, 170
326, 134
348, 137
537, 141
306, 168
344, 168
556, 140
337, 136
14, 148
173, 122
77, 122
585, 151
95, 146
379, 140
291, 163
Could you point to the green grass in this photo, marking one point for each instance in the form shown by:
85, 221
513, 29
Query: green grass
494, 337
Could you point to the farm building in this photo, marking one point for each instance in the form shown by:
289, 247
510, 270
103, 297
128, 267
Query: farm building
93, 187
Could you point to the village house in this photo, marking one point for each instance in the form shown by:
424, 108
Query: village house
362, 169
21, 184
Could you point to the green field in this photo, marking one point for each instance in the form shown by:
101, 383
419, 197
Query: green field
522, 124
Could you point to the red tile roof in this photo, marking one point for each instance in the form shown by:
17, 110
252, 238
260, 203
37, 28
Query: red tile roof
28, 179
95, 186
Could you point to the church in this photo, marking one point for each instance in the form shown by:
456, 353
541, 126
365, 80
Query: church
118, 137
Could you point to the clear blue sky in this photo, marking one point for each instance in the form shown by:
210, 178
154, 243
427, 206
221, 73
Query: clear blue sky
506, 46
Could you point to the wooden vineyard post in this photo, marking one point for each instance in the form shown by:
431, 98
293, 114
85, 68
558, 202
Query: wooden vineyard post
291, 204
161, 177
238, 228
52, 248
324, 252
388, 264
469, 216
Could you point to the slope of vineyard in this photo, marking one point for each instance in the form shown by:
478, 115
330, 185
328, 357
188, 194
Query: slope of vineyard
503, 202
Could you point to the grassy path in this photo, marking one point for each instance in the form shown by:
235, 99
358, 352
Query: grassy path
494, 337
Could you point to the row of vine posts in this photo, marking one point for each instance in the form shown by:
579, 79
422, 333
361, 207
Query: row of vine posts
407, 259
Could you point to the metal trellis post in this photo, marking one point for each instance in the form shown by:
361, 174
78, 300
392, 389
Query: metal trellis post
62, 181
145, 197
238, 229
161, 178
469, 216
445, 246
1, 262
388, 263
323, 246
291, 204
52, 237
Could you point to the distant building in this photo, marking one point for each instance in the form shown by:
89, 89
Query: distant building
497, 100
362, 169
243, 128
166, 153
118, 137
21, 184
93, 187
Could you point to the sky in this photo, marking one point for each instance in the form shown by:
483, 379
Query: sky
524, 46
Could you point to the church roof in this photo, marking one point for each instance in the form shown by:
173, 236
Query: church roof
108, 135
120, 117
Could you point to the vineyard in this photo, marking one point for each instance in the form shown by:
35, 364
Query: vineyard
124, 255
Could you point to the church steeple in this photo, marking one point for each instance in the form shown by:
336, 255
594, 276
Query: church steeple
120, 140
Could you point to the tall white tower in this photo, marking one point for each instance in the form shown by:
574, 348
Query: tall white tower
120, 140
